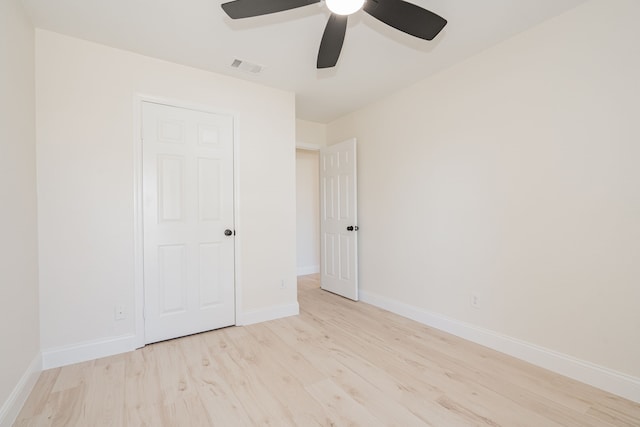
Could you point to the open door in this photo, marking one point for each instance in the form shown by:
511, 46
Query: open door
338, 220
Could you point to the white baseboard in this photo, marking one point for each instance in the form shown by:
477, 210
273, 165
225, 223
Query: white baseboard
589, 373
88, 350
310, 269
271, 313
11, 407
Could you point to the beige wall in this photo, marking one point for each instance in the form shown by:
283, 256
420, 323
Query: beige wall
19, 326
515, 176
311, 133
85, 123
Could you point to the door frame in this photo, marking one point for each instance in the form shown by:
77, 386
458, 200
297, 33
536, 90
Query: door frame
138, 220
318, 148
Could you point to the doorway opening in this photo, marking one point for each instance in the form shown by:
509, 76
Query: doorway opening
307, 211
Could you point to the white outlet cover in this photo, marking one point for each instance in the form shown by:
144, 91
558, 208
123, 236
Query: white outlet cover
475, 301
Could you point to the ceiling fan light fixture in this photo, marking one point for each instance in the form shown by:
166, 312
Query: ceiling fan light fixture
344, 7
407, 17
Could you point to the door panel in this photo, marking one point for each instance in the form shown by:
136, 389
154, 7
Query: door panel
171, 279
339, 245
209, 274
188, 203
171, 188
209, 189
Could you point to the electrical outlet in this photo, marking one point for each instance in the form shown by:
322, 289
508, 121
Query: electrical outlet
475, 300
120, 312
282, 285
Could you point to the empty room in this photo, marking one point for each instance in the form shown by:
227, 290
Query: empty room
320, 213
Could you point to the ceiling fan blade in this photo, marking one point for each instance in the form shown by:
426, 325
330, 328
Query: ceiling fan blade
406, 17
332, 40
249, 8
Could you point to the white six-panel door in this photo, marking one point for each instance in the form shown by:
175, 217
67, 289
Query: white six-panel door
187, 206
338, 220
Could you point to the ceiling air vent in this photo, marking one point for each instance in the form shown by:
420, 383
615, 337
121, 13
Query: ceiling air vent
247, 67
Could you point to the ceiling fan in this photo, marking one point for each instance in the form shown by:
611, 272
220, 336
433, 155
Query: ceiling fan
406, 17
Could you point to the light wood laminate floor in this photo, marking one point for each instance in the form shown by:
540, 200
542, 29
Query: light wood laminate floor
339, 363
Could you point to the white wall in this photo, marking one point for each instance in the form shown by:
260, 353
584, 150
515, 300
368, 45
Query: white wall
308, 212
515, 176
85, 146
19, 325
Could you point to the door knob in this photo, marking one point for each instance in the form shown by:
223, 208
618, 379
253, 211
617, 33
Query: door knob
352, 228
228, 232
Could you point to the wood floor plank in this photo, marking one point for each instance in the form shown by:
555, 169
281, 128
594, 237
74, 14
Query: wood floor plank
339, 363
490, 380
289, 355
456, 355
41, 393
479, 403
256, 398
376, 401
343, 409
278, 376
142, 388
104, 399
218, 399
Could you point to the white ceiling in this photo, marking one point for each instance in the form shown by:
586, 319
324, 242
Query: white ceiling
375, 61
